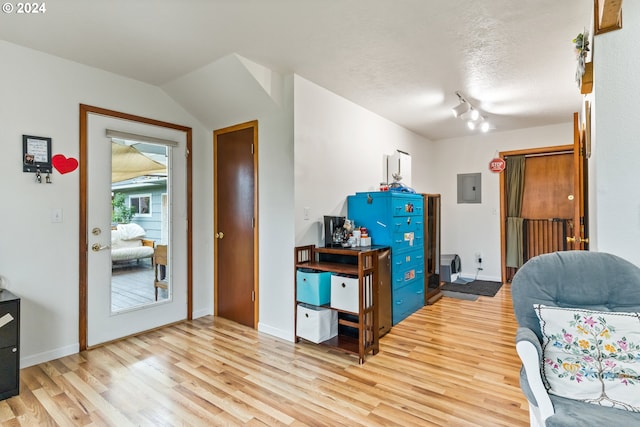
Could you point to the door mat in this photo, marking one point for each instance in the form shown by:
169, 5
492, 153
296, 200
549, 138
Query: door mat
460, 295
476, 287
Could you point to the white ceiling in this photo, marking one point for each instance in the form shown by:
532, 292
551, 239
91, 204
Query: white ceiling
402, 59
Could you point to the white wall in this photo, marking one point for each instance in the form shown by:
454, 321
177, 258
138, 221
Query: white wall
276, 217
615, 198
41, 96
227, 92
471, 228
339, 150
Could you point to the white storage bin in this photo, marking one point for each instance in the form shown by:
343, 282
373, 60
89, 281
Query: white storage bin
316, 324
344, 293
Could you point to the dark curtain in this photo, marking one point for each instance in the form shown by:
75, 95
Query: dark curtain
515, 189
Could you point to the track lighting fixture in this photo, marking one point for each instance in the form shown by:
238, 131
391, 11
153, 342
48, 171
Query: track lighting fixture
473, 116
460, 109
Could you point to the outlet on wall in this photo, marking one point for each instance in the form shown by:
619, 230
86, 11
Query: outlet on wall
478, 257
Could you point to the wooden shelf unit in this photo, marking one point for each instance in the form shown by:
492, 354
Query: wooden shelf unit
366, 270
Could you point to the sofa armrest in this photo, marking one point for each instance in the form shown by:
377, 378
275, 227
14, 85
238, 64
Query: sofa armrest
526, 334
530, 352
148, 242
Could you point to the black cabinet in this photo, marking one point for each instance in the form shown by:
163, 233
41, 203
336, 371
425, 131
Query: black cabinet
9, 344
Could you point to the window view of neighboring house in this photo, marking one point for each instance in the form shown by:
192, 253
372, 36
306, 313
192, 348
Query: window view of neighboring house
140, 204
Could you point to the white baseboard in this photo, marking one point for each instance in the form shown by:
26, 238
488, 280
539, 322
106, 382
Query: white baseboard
279, 333
201, 313
49, 355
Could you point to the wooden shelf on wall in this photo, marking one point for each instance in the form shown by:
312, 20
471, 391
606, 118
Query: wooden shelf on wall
607, 15
586, 84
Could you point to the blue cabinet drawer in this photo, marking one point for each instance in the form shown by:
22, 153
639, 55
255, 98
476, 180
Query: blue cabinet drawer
400, 260
403, 206
313, 287
406, 301
405, 224
408, 240
413, 273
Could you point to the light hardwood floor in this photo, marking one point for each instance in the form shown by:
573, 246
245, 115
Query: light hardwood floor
450, 364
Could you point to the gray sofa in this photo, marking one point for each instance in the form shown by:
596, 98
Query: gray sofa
573, 279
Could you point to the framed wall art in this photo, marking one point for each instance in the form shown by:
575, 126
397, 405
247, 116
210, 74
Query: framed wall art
36, 154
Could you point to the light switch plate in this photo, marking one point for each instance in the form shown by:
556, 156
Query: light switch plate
56, 215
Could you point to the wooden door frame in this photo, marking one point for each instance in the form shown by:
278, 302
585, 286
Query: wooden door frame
541, 151
83, 249
256, 303
580, 162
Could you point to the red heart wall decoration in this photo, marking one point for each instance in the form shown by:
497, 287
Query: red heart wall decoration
63, 164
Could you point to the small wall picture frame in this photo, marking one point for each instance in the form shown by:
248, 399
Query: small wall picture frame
36, 154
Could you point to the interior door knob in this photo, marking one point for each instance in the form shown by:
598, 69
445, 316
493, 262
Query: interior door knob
577, 239
220, 235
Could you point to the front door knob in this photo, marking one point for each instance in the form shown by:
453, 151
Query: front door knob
96, 247
220, 235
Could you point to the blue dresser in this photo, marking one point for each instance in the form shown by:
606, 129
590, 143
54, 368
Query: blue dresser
396, 220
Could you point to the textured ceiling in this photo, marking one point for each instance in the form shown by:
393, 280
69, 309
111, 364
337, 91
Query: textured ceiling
402, 59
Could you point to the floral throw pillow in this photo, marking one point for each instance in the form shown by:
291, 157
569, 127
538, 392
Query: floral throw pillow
592, 356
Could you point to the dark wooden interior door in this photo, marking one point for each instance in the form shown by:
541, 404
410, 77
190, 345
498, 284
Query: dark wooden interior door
235, 151
548, 203
553, 205
548, 188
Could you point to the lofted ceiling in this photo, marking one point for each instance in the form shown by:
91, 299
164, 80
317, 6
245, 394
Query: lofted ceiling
402, 59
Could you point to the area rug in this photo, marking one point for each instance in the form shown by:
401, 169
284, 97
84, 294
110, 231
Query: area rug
476, 287
460, 295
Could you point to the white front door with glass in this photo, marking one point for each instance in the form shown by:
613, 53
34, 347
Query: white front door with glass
136, 218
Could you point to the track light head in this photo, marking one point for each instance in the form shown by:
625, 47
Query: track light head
473, 116
461, 109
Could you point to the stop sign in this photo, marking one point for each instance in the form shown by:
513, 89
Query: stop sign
497, 165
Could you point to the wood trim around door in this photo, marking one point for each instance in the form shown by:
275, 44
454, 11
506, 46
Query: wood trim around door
256, 303
540, 151
83, 248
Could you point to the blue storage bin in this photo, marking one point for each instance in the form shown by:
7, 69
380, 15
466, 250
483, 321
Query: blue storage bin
313, 287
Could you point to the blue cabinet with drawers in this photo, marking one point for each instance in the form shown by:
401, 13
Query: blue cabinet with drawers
396, 220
